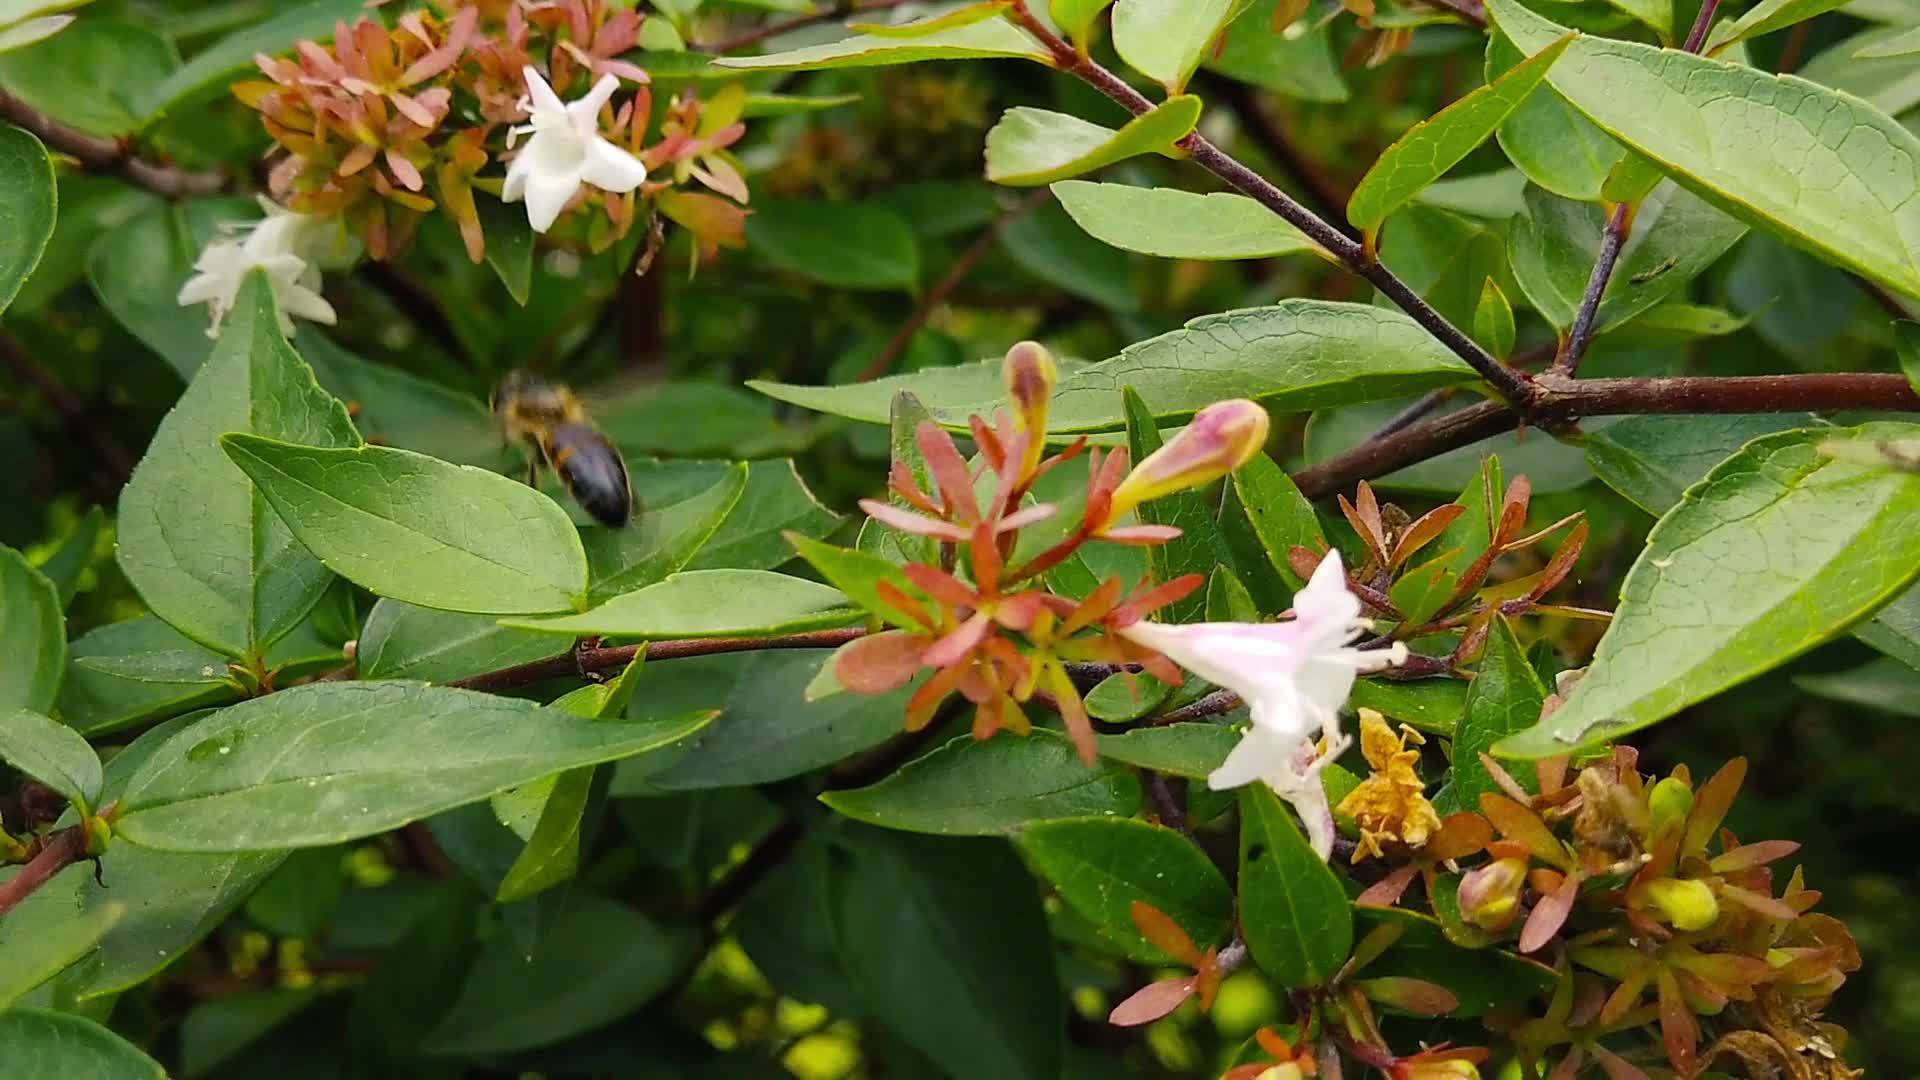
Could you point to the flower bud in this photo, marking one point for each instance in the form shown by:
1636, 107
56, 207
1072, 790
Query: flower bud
1668, 805
1444, 1069
1286, 1070
1030, 375
1490, 895
1222, 437
1687, 905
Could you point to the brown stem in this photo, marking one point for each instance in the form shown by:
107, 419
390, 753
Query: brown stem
1697, 36
1214, 704
962, 266
105, 448
1267, 132
66, 847
775, 29
98, 155
1431, 438
598, 661
1612, 240
1168, 801
1511, 385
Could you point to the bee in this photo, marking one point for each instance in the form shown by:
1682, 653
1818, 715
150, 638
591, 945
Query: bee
550, 419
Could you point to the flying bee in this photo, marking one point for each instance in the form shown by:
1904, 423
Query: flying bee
550, 419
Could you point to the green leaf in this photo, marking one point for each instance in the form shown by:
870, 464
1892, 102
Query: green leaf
138, 268
662, 541
34, 950
1292, 909
96, 701
1778, 549
95, 75
1435, 706
52, 753
853, 245
72, 558
1298, 62
1423, 590
972, 787
1553, 466
1192, 750
1431, 147
1676, 323
1075, 17
404, 641
1493, 320
1175, 224
1291, 357
856, 574
1769, 15
1199, 548
1030, 147
550, 812
328, 762
49, 1044
1282, 518
1885, 684
982, 40
1675, 237
1481, 979
946, 943
27, 198
509, 245
414, 528
708, 603
1047, 244
1906, 43
598, 961
34, 627
213, 68
1895, 629
767, 730
1101, 866
754, 536
1906, 343
1746, 131
1504, 698
1166, 39
217, 1031
949, 393
396, 408
200, 544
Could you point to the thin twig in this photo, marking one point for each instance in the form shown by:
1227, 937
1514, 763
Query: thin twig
1328, 199
598, 661
1511, 385
766, 856
111, 156
962, 266
1612, 240
775, 29
80, 424
1168, 803
1702, 22
1214, 704
66, 847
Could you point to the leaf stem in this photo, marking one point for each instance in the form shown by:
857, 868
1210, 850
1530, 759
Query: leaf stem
1515, 387
1612, 240
111, 156
1702, 22
599, 661
63, 849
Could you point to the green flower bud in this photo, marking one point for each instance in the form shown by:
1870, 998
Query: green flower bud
1668, 805
1490, 895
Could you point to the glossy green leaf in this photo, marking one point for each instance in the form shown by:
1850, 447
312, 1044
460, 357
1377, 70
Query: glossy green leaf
52, 753
415, 528
1851, 206
947, 946
95, 700
1481, 979
215, 1032
204, 549
1076, 17
950, 394
1768, 16
33, 625
662, 541
993, 38
1676, 323
1187, 749
367, 757
857, 574
1030, 147
95, 75
776, 502
1778, 549
1200, 547
1895, 628
1291, 357
1903, 44
1885, 684
1102, 866
1165, 40
846, 245
1435, 706
1431, 147
1675, 237
1047, 244
33, 950
27, 197
392, 407
138, 268
1124, 697
1293, 911
404, 641
509, 245
213, 68
1174, 224
971, 787
52, 1044
709, 603
550, 813
1493, 320
1282, 518
767, 730
1298, 61
599, 960
1505, 697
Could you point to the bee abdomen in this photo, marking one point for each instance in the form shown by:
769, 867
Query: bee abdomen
591, 469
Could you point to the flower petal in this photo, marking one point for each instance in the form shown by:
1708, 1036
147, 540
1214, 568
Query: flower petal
1260, 752
610, 168
547, 194
585, 112
542, 95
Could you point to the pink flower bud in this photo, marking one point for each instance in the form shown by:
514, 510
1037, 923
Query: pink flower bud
1221, 438
1031, 375
1490, 894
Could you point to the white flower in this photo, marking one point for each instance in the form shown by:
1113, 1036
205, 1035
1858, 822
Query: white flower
1294, 677
285, 244
565, 151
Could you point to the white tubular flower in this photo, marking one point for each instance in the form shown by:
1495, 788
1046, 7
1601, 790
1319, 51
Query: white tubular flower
565, 151
1294, 677
285, 244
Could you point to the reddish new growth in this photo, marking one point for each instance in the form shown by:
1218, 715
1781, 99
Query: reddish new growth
976, 609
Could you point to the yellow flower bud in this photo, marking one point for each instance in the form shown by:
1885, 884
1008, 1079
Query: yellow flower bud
1686, 905
1284, 1071
1449, 1069
1030, 375
1222, 437
1490, 895
1668, 805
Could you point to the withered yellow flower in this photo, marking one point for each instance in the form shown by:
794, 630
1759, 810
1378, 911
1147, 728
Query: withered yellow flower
1390, 805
